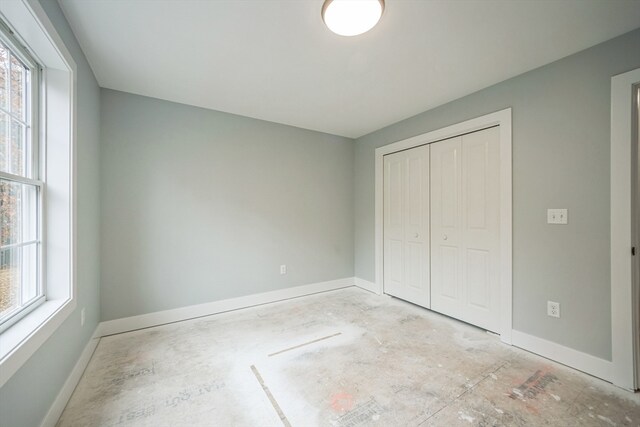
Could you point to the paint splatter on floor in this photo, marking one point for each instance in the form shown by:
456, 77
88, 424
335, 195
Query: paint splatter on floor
341, 402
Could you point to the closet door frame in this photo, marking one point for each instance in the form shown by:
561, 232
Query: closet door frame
500, 118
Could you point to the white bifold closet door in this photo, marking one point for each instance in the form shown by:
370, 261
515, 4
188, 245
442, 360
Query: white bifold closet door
406, 225
465, 228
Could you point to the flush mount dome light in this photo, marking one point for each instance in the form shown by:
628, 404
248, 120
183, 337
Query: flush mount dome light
351, 17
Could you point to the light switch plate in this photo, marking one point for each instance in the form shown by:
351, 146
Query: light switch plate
557, 216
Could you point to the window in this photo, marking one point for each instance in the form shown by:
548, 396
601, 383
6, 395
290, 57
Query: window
37, 106
21, 284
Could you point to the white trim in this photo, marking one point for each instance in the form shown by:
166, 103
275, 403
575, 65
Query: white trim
584, 362
157, 318
367, 285
622, 336
55, 411
18, 14
503, 119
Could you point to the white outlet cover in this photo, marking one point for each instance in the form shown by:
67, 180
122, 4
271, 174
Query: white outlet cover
557, 216
553, 309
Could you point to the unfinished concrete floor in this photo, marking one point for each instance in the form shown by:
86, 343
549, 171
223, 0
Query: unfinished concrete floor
341, 358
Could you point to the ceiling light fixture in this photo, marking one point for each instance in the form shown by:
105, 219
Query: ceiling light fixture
351, 17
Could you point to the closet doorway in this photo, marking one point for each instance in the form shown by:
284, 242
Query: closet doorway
446, 221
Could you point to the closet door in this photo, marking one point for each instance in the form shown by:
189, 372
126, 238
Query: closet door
406, 225
465, 239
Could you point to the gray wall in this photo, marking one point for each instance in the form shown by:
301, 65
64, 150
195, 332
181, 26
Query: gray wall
560, 159
199, 205
27, 396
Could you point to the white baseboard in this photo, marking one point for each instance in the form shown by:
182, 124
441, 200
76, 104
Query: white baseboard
70, 384
367, 285
584, 362
126, 324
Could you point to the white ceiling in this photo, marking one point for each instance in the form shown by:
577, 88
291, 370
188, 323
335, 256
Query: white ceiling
275, 60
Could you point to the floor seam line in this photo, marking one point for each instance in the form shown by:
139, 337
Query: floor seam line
272, 399
304, 344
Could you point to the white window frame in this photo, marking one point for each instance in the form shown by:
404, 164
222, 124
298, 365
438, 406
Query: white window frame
56, 128
33, 172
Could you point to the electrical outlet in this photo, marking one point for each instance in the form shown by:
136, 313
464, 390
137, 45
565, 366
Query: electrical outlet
553, 309
82, 317
557, 216
283, 269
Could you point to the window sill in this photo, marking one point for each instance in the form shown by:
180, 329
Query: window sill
20, 341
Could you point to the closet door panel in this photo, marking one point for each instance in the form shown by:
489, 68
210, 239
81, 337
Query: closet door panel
465, 228
406, 222
446, 262
478, 279
394, 181
481, 222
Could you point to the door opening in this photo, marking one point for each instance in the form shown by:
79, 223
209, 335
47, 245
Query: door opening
501, 120
625, 231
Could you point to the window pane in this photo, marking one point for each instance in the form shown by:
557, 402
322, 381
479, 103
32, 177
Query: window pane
4, 71
18, 280
19, 200
18, 213
9, 283
17, 149
15, 153
18, 86
4, 142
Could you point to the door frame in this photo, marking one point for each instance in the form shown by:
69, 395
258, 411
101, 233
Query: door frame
636, 230
500, 118
623, 333
635, 240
